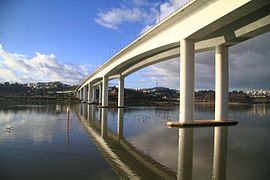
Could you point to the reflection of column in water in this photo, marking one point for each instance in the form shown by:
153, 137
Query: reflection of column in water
220, 153
185, 153
120, 122
89, 109
68, 126
260, 110
81, 109
104, 120
85, 110
93, 112
264, 110
100, 113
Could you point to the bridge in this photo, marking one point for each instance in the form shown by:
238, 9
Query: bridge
198, 26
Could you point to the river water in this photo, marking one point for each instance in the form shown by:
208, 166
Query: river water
79, 141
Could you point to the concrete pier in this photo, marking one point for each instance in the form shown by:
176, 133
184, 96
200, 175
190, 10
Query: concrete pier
85, 94
187, 66
105, 91
90, 93
94, 100
100, 93
81, 94
121, 86
221, 83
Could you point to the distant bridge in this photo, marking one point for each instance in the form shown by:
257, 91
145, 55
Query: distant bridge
200, 25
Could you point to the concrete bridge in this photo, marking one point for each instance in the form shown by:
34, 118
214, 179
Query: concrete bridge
198, 26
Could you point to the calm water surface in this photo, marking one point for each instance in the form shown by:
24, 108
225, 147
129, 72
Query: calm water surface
84, 142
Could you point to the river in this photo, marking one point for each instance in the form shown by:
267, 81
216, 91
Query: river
79, 141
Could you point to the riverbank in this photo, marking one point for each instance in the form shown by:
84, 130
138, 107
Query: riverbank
40, 99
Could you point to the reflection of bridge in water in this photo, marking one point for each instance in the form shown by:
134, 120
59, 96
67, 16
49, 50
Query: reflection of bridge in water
131, 163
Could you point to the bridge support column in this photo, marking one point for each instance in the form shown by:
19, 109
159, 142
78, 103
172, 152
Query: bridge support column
121, 91
187, 66
94, 95
100, 93
221, 89
90, 93
84, 94
81, 94
105, 91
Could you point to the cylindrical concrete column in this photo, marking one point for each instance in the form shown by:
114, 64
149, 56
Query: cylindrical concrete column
222, 78
94, 94
84, 94
90, 93
187, 66
80, 92
105, 91
100, 93
121, 91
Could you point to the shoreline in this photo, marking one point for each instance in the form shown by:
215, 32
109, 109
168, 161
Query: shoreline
129, 102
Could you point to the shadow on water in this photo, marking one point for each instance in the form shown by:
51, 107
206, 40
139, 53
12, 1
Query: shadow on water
131, 163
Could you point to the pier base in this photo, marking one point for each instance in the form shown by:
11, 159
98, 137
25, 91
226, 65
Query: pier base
201, 123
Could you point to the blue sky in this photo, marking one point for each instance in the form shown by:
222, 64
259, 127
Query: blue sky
66, 40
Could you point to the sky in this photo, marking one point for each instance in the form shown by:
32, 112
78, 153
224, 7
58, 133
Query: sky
60, 40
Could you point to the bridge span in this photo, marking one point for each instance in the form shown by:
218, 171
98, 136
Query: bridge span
198, 26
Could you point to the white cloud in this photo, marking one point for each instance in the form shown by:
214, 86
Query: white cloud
40, 68
161, 11
141, 11
140, 2
169, 7
116, 16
